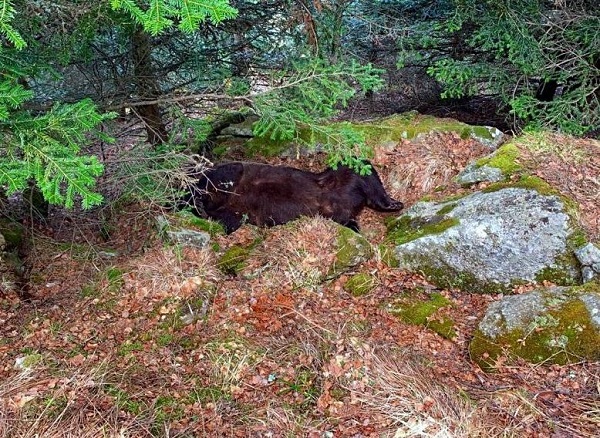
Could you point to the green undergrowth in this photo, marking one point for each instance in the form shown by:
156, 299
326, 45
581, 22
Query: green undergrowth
414, 311
233, 260
361, 284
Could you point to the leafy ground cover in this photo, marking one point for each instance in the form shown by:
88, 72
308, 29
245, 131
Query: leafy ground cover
157, 341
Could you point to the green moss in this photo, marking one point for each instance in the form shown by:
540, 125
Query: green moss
31, 360
419, 313
13, 234
529, 182
405, 229
565, 334
129, 347
481, 132
360, 284
577, 239
233, 260
187, 219
265, 147
505, 159
391, 129
410, 125
387, 256
558, 275
352, 250
444, 328
446, 209
448, 278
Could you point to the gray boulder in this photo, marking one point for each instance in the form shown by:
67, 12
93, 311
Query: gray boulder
176, 233
553, 325
589, 257
474, 174
488, 242
198, 239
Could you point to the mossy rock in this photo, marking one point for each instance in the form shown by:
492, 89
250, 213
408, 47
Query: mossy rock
557, 325
29, 361
361, 284
416, 312
493, 240
353, 249
13, 234
408, 126
498, 166
184, 228
377, 133
234, 259
187, 219
504, 158
406, 229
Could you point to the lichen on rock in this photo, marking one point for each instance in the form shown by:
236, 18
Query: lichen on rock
488, 242
550, 325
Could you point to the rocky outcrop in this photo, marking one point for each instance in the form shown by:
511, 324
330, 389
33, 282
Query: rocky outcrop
551, 325
497, 166
385, 133
488, 241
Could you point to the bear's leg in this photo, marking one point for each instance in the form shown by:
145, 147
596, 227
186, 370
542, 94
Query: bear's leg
230, 220
353, 225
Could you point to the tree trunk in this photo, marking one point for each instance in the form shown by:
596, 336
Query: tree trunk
147, 88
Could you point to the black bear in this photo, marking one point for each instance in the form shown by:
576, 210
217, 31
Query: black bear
266, 195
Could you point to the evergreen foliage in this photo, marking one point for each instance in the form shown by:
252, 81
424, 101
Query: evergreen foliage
516, 50
158, 15
44, 147
308, 96
7, 14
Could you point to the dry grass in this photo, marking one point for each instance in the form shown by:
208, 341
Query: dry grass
404, 391
34, 405
430, 162
295, 256
172, 272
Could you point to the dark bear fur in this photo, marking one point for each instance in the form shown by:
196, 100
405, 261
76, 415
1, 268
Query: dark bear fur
265, 195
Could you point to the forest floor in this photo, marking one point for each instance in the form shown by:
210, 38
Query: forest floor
154, 340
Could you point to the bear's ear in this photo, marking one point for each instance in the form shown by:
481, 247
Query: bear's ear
329, 179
